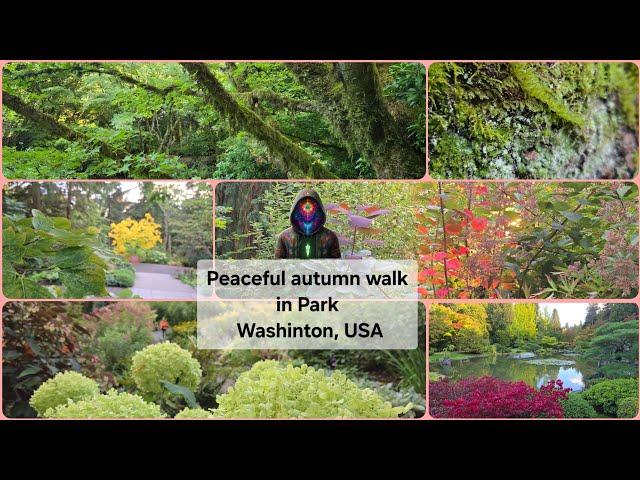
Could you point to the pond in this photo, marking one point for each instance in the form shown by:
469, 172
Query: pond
535, 371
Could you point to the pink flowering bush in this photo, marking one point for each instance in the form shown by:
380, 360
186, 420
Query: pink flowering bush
490, 397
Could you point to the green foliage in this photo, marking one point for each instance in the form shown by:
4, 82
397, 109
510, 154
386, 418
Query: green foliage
116, 344
121, 277
616, 341
63, 387
110, 405
50, 244
412, 367
627, 407
462, 328
409, 82
154, 256
604, 396
194, 413
523, 326
151, 120
176, 312
575, 406
40, 340
243, 158
164, 362
273, 390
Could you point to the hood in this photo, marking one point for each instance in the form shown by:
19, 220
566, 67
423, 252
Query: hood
307, 213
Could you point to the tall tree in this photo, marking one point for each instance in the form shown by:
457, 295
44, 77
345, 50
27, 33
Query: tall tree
592, 314
350, 98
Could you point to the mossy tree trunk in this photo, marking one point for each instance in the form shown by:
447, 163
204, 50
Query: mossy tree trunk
50, 124
350, 98
295, 159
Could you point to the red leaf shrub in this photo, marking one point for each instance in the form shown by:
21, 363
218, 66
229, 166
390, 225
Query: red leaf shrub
490, 397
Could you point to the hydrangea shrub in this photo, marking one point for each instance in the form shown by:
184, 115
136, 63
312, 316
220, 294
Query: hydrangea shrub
188, 413
273, 390
60, 389
110, 405
164, 362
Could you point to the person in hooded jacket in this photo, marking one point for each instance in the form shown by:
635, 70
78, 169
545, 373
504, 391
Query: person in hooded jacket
307, 237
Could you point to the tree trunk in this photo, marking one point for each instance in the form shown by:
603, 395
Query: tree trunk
295, 159
50, 124
36, 196
69, 194
351, 100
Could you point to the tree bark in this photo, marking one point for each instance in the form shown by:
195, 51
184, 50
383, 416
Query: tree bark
295, 159
50, 124
36, 196
351, 100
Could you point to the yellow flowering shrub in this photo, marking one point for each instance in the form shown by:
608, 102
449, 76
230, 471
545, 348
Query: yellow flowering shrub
132, 235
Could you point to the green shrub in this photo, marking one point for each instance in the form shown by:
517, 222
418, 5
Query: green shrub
273, 390
185, 328
176, 312
604, 396
164, 362
627, 407
575, 406
60, 389
194, 413
121, 277
154, 256
111, 405
118, 342
617, 370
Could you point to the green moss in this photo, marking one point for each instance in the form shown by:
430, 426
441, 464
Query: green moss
532, 120
534, 87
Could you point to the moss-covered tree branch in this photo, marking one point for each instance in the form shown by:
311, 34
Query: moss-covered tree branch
280, 101
295, 159
51, 124
349, 97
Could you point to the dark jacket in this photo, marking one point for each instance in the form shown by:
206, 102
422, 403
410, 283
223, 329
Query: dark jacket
316, 242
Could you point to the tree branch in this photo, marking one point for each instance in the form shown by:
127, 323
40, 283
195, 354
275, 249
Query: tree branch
51, 124
349, 97
293, 157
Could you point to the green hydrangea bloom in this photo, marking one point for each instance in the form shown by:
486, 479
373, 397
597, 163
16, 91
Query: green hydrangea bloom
194, 413
60, 389
164, 361
111, 405
273, 390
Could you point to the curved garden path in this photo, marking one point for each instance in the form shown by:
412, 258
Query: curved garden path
158, 281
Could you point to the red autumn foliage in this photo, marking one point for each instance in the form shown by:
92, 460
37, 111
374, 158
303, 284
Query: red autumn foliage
490, 397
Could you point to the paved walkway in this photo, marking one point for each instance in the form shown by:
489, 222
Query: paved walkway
158, 281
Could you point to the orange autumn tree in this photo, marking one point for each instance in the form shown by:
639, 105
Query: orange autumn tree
466, 231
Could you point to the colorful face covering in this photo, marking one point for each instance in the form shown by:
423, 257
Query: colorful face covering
307, 216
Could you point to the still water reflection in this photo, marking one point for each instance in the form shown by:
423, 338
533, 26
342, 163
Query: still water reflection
514, 369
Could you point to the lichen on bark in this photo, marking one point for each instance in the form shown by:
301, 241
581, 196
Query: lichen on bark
533, 120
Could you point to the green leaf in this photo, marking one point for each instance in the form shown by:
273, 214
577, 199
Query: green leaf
89, 279
621, 191
32, 370
187, 394
571, 216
